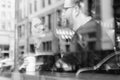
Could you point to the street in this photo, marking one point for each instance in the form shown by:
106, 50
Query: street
82, 76
67, 76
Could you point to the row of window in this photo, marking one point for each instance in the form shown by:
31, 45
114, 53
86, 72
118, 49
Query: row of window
36, 5
5, 6
4, 47
47, 46
6, 26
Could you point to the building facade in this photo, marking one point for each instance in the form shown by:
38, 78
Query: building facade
7, 28
36, 24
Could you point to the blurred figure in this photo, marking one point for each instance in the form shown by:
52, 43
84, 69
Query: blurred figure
75, 17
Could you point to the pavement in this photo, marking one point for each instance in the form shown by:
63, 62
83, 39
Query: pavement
4, 78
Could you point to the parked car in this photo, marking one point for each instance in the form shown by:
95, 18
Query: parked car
47, 63
61, 66
7, 64
110, 64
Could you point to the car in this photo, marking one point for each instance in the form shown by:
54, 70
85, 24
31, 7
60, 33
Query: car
7, 64
110, 64
61, 66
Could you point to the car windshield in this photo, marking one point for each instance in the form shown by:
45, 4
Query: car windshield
110, 58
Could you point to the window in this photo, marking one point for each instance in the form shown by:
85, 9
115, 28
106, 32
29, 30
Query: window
32, 48
3, 26
92, 35
3, 5
6, 47
43, 20
44, 46
91, 7
49, 2
59, 20
68, 48
113, 62
35, 5
30, 24
50, 45
21, 30
49, 21
47, 46
3, 14
43, 3
68, 40
91, 45
30, 8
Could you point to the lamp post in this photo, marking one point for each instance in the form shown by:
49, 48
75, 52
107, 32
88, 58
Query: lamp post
16, 74
16, 35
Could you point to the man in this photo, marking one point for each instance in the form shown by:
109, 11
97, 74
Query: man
74, 13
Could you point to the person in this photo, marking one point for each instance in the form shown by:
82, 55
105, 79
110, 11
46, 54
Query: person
74, 13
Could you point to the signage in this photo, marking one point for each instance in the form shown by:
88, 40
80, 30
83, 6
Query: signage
37, 28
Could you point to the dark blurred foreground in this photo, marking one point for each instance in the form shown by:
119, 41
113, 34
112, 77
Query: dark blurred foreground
65, 76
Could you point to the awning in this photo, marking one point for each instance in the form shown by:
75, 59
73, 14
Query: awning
64, 33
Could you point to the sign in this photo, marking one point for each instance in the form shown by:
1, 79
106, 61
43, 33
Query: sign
37, 28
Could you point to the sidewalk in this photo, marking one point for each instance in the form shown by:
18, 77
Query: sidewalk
4, 78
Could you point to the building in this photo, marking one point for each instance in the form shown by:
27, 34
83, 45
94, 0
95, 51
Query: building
7, 28
36, 23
